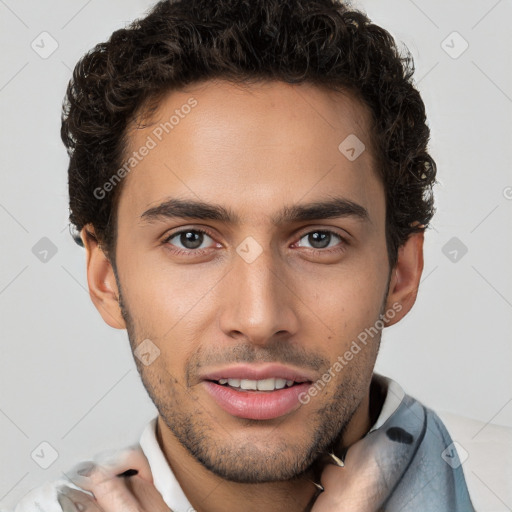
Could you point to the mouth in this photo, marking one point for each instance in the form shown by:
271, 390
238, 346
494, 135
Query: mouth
257, 393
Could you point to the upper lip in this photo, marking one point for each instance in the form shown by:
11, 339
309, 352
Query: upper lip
259, 372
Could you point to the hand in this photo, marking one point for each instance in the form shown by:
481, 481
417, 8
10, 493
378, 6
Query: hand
362, 484
111, 492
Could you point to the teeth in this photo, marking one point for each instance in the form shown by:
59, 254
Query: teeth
266, 384
258, 385
281, 383
247, 384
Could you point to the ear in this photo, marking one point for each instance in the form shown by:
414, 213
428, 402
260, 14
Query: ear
101, 280
405, 278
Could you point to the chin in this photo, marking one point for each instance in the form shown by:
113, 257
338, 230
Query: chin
255, 462
255, 472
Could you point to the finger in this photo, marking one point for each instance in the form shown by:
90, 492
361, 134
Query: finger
99, 480
146, 494
115, 493
72, 500
129, 458
115, 496
105, 467
345, 490
110, 493
364, 481
129, 494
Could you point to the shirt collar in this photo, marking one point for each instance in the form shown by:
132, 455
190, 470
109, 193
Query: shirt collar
394, 396
163, 477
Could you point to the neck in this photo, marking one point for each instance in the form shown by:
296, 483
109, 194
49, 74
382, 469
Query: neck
207, 492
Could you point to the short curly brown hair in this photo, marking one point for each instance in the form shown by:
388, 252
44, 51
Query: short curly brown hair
321, 42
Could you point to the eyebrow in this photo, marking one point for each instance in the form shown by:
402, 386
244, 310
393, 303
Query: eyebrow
334, 207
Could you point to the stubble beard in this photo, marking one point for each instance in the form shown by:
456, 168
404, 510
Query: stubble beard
277, 459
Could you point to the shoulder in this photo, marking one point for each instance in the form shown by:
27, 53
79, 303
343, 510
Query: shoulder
485, 453
43, 498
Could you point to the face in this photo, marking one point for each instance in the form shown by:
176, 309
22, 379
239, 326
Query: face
265, 285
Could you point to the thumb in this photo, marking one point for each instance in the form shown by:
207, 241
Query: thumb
121, 483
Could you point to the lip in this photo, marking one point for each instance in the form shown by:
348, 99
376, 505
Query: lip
258, 372
256, 405
252, 404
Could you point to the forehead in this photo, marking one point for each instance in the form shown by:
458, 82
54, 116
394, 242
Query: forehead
252, 147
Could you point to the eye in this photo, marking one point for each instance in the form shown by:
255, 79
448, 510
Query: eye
190, 240
321, 239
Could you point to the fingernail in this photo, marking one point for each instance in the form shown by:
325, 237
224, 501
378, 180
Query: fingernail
318, 486
129, 472
84, 469
337, 460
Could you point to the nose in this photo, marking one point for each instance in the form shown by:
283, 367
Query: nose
260, 305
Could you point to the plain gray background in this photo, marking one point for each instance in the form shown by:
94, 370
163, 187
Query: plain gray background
69, 380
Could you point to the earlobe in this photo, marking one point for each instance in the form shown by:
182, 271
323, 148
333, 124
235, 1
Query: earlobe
406, 275
101, 280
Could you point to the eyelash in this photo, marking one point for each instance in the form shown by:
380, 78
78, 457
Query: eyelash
200, 252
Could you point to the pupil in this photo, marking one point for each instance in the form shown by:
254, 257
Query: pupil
324, 239
188, 238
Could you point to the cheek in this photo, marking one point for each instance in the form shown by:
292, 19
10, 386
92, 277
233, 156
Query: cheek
163, 295
172, 309
349, 300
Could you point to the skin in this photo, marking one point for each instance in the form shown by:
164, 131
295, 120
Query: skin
253, 150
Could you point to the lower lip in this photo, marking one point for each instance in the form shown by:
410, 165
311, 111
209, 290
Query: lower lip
256, 405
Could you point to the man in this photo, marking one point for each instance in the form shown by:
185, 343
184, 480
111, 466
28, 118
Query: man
251, 182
